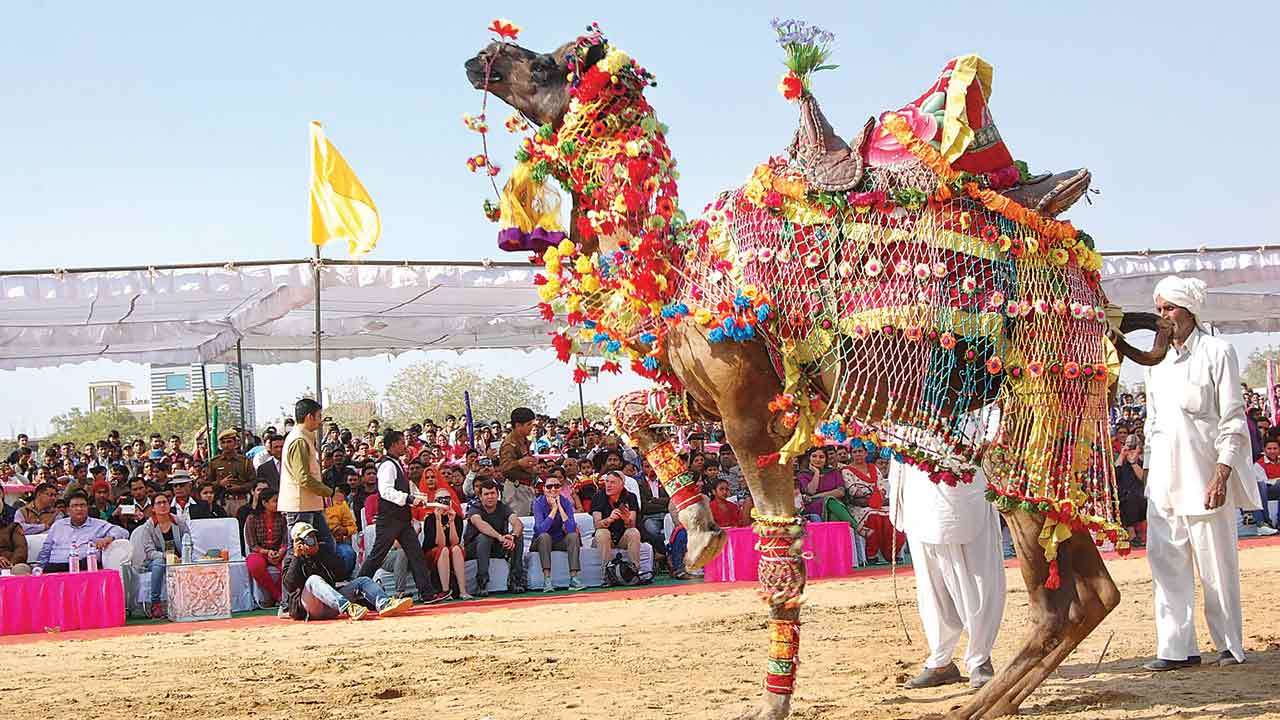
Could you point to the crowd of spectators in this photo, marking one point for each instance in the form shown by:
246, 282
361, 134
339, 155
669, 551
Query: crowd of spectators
530, 467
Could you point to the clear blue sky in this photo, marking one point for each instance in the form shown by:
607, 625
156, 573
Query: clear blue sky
151, 133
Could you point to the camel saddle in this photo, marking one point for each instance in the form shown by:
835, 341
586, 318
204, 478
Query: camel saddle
829, 164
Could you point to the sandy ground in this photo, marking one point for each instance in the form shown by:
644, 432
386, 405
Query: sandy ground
694, 656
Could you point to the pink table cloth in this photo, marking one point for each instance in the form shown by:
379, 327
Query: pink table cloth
828, 542
61, 601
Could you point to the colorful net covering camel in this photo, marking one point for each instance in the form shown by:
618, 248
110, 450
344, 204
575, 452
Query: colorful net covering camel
902, 305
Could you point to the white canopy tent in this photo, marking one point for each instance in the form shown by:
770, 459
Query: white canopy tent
198, 313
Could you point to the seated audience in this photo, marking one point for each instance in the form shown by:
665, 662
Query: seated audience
206, 507
13, 547
310, 581
726, 512
342, 523
615, 512
76, 530
1131, 491
266, 537
554, 528
134, 508
442, 543
493, 531
153, 541
41, 513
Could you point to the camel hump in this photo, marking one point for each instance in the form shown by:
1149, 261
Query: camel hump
827, 162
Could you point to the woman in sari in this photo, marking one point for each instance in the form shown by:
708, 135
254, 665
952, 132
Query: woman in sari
867, 493
819, 482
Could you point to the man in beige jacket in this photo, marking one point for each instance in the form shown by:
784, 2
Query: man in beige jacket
302, 491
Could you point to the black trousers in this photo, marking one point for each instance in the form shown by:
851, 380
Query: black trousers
389, 529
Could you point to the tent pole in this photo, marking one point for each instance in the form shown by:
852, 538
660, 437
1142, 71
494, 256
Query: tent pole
240, 369
317, 284
208, 431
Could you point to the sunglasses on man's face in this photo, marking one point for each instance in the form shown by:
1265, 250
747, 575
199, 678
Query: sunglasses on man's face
552, 486
310, 541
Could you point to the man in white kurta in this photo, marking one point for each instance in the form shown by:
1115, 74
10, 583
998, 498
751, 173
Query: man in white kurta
954, 536
1197, 479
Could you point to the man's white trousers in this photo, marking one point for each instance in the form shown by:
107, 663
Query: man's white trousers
1179, 546
960, 587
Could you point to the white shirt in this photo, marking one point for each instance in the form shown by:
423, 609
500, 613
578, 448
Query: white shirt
387, 484
1195, 420
181, 512
936, 513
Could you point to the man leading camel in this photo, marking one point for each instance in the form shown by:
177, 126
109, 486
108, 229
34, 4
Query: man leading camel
954, 536
1197, 476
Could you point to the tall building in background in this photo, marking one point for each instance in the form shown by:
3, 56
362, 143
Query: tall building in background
118, 394
185, 382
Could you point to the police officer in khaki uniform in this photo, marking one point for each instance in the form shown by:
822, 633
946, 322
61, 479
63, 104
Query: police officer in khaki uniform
232, 472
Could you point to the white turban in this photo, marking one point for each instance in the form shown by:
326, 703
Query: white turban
1184, 292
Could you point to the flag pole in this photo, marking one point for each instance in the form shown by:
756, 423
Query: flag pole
316, 280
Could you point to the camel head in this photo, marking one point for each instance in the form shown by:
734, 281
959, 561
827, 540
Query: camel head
536, 84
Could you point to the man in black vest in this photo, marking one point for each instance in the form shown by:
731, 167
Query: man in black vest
395, 521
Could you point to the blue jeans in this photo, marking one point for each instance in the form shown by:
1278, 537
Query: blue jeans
323, 602
158, 568
348, 556
1267, 491
316, 519
676, 550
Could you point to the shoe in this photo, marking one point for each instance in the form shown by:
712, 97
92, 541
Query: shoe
1161, 665
482, 592
355, 611
157, 611
1226, 659
934, 677
1266, 531
395, 606
575, 583
680, 575
482, 586
547, 586
517, 589
464, 597
981, 675
282, 611
434, 598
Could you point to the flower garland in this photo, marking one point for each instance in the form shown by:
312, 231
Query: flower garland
611, 153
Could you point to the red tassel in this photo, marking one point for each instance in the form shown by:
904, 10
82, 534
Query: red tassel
1053, 582
763, 461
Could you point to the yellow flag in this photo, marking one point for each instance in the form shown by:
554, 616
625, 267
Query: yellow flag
340, 206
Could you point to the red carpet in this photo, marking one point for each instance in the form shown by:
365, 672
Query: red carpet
499, 603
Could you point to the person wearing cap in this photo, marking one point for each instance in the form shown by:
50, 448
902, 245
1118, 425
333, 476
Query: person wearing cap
302, 490
1197, 476
180, 488
102, 507
517, 465
231, 471
311, 577
152, 541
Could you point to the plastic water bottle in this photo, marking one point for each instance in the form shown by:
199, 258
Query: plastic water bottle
91, 560
188, 549
73, 558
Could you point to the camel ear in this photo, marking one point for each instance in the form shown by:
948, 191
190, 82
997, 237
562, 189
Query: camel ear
595, 54
827, 162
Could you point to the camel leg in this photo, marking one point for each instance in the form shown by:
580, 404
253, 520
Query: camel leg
635, 415
1061, 618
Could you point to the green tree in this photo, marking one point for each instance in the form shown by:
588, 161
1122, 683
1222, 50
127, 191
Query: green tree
183, 418
433, 390
80, 427
595, 412
351, 403
1255, 372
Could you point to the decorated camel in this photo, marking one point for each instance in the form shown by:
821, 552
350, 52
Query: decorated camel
909, 292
